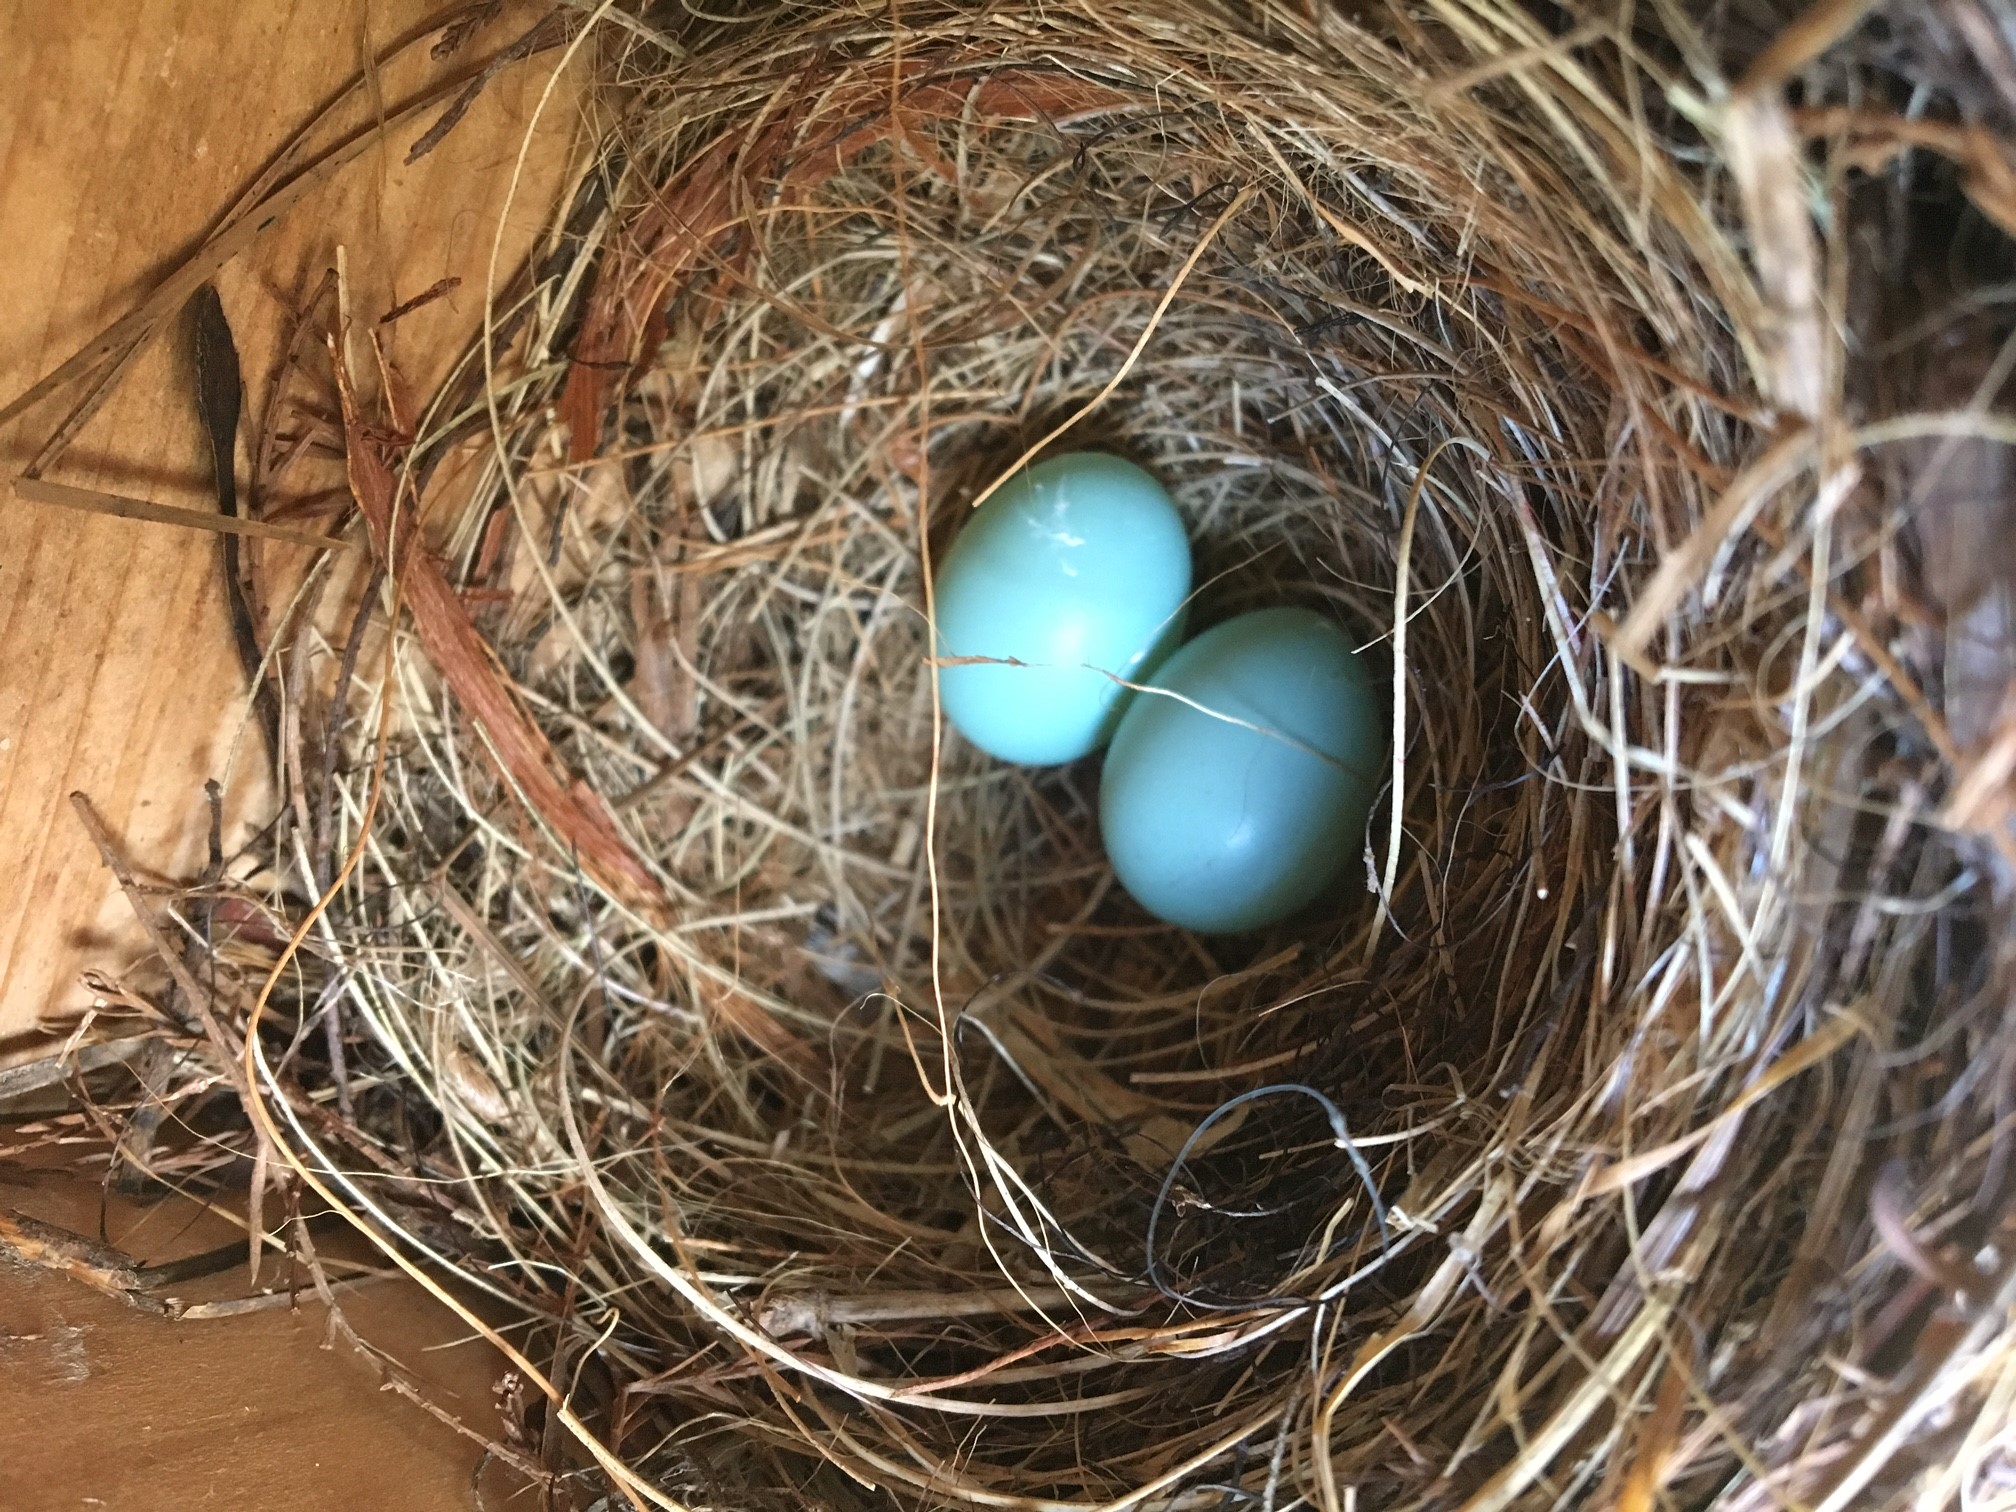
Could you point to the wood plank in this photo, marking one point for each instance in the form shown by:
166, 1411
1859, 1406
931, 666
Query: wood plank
126, 131
102, 1405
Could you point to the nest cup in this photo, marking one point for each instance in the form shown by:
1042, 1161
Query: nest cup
849, 1136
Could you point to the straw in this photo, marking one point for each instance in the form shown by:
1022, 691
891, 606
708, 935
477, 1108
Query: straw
801, 1078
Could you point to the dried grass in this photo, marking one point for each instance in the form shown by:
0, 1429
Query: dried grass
1637, 1134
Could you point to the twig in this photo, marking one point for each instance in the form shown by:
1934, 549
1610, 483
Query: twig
93, 501
198, 999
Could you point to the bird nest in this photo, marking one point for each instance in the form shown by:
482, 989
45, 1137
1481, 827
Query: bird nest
1632, 1134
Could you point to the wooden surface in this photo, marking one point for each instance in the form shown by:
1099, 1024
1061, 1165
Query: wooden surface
104, 1407
125, 131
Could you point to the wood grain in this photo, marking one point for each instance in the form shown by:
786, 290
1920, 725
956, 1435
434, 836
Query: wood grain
126, 132
105, 1406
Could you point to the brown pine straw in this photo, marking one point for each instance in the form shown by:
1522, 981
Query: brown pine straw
1634, 1131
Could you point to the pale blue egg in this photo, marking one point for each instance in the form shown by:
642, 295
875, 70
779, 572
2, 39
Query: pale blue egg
1075, 568
1232, 819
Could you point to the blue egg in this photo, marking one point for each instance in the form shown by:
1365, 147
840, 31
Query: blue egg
1076, 568
1220, 826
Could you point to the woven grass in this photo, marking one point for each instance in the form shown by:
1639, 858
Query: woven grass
1633, 1132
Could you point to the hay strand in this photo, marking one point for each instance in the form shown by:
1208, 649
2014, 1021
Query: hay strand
803, 1078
